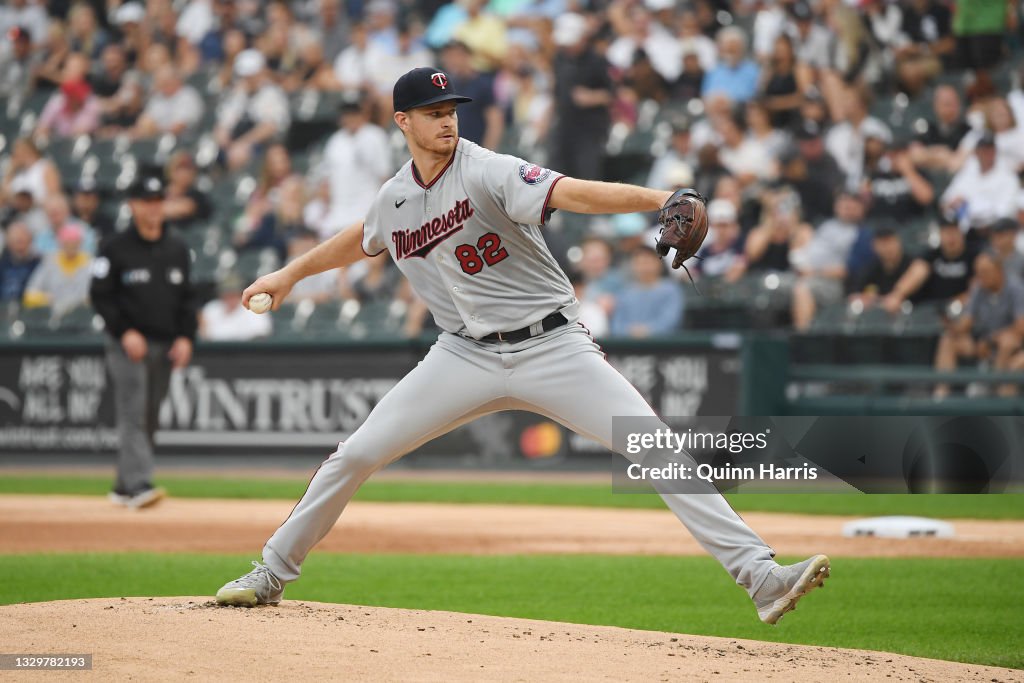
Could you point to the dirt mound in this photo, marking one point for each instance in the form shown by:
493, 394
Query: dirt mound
91, 524
180, 638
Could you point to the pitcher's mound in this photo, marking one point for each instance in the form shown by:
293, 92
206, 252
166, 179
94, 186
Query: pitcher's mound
181, 638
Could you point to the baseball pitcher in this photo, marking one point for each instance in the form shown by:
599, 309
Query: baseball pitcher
463, 224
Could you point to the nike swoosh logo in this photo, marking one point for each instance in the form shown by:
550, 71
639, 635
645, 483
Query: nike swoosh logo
398, 204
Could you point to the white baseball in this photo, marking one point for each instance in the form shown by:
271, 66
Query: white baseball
260, 303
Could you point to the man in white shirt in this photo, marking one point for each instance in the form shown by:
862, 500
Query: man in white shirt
173, 106
982, 191
664, 50
254, 113
356, 163
845, 142
226, 319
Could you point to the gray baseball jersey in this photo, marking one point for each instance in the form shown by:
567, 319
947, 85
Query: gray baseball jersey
470, 245
470, 242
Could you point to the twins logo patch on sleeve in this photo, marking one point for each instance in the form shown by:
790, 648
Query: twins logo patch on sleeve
531, 174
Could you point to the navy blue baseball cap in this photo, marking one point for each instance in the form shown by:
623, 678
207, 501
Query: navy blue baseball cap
423, 86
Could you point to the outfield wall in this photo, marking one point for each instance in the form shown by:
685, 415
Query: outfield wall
274, 397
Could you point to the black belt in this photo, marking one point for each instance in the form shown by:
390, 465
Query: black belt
551, 322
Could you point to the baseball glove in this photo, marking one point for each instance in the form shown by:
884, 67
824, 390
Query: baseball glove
684, 225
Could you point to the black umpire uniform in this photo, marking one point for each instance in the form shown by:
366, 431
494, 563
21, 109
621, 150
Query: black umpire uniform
141, 288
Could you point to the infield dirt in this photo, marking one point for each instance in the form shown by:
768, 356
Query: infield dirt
150, 639
91, 524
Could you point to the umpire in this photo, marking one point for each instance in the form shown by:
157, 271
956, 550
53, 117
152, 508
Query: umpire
141, 288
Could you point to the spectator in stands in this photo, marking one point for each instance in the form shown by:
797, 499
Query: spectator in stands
692, 41
529, 106
1003, 245
812, 172
377, 283
311, 70
679, 152
936, 147
940, 274
113, 75
602, 282
650, 304
592, 315
387, 68
129, 19
86, 205
582, 100
17, 261
317, 288
878, 278
991, 327
233, 44
184, 203
780, 232
25, 13
226, 319
926, 43
62, 279
722, 253
853, 60
980, 28
897, 193
485, 34
29, 171
17, 62
480, 121
274, 209
1009, 136
330, 27
381, 21
353, 66
691, 81
760, 129
74, 111
638, 30
783, 83
58, 215
196, 20
734, 75
173, 107
211, 46
982, 191
845, 141
255, 112
22, 209
743, 156
48, 74
811, 41
356, 163
822, 261
84, 32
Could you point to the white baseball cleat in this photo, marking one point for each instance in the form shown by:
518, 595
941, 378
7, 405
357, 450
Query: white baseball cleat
258, 587
151, 495
785, 585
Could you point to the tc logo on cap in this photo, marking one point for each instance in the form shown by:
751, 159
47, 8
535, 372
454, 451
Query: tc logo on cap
439, 79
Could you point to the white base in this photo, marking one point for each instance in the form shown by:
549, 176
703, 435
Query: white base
899, 527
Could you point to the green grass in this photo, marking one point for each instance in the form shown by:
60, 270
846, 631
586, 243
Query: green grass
520, 493
964, 610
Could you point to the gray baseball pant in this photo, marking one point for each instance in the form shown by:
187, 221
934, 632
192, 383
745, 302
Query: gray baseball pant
139, 388
561, 374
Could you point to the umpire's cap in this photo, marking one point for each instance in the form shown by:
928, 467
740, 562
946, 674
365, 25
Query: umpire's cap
423, 86
147, 187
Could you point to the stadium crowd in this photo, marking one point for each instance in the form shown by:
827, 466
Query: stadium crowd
859, 155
